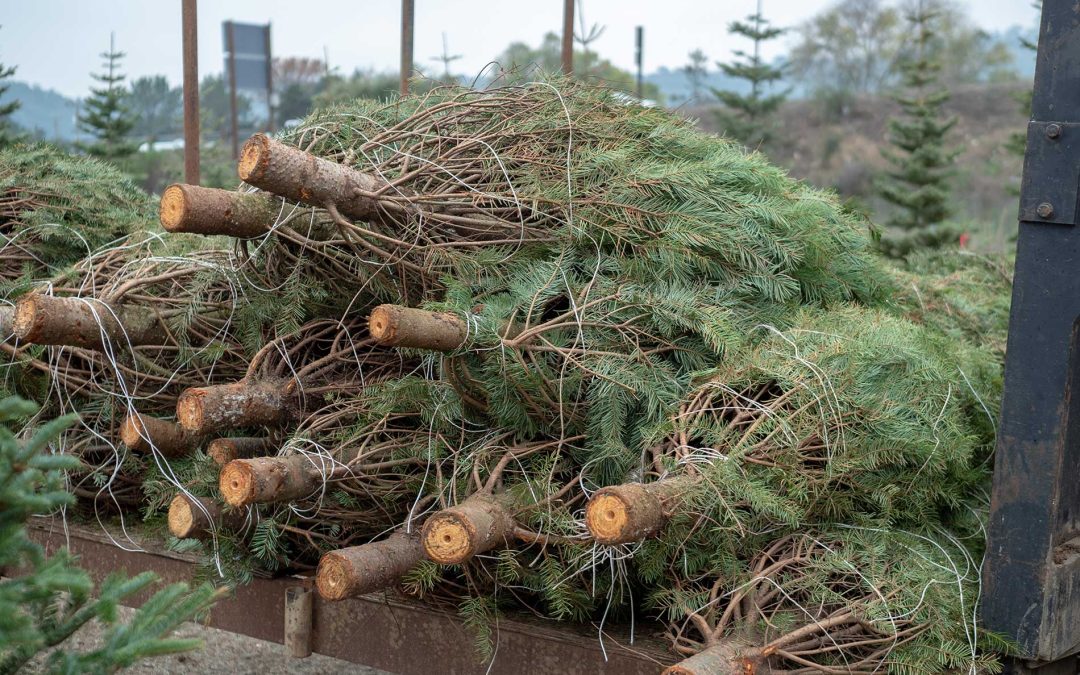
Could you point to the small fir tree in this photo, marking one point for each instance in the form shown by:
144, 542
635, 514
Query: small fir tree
108, 118
696, 70
41, 608
7, 130
918, 183
745, 117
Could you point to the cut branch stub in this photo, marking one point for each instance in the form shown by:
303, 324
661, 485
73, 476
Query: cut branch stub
621, 514
241, 404
358, 570
300, 176
84, 322
140, 433
208, 211
397, 326
477, 525
265, 480
196, 517
727, 657
225, 450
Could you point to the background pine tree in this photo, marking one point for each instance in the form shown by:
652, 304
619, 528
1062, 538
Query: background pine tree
7, 131
746, 116
54, 598
922, 164
107, 117
1017, 143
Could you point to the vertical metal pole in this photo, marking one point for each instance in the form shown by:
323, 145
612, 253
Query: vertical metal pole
639, 55
298, 604
269, 83
568, 37
189, 20
1031, 574
230, 35
406, 44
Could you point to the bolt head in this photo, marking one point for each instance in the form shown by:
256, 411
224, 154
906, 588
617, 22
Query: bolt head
1053, 130
1045, 210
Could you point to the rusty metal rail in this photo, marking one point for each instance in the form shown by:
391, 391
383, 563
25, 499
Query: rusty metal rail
377, 630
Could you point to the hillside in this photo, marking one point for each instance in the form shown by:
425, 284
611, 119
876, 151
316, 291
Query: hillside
46, 113
844, 152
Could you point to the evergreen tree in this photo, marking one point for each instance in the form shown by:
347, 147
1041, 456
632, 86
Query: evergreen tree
107, 116
7, 133
919, 181
45, 606
696, 70
1017, 143
745, 116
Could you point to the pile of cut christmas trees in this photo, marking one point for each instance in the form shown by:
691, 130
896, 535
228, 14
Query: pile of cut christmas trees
533, 347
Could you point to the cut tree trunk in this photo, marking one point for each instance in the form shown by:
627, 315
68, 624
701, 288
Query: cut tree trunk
300, 176
141, 433
727, 657
85, 322
397, 326
621, 514
479, 524
225, 450
209, 211
265, 480
358, 570
197, 517
202, 410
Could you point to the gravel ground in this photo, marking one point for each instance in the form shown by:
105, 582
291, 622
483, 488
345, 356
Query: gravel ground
223, 653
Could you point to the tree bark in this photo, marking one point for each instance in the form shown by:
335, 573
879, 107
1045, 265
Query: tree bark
84, 322
397, 326
358, 570
265, 480
727, 657
621, 514
202, 410
209, 211
7, 322
479, 524
300, 176
140, 433
196, 517
225, 450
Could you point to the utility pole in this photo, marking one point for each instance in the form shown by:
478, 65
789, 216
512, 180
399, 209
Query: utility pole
230, 39
269, 83
406, 44
639, 57
568, 37
190, 30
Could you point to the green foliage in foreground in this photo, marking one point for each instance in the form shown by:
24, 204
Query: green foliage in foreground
53, 598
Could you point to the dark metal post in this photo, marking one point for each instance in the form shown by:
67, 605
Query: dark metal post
269, 83
1031, 576
639, 56
189, 20
406, 44
568, 37
230, 38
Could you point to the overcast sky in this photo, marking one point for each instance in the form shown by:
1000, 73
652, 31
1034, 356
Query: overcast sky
55, 43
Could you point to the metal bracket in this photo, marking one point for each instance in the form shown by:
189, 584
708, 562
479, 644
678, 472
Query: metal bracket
1051, 185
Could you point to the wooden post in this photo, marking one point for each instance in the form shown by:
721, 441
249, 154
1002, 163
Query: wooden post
269, 84
568, 37
230, 44
189, 19
406, 44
